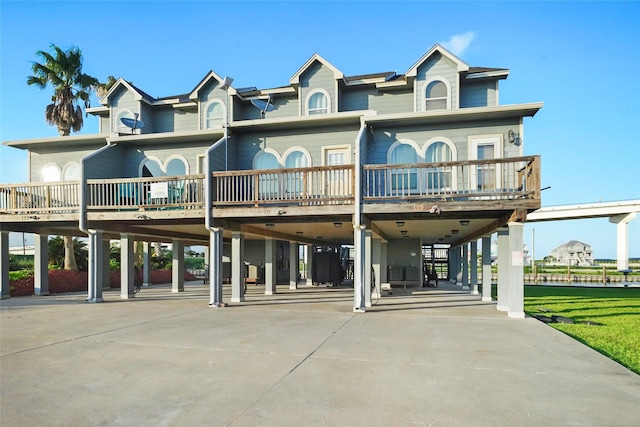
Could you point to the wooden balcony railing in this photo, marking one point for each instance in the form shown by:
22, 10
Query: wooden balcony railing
303, 186
40, 197
185, 192
496, 179
509, 178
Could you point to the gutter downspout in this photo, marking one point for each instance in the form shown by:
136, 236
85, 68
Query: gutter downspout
215, 234
95, 243
358, 229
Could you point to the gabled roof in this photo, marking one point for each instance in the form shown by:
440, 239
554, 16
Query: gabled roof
210, 75
296, 77
139, 95
461, 65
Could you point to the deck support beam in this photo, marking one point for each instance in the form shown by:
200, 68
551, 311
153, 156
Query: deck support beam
504, 267
516, 270
96, 264
270, 251
127, 276
294, 265
4, 264
215, 267
474, 267
486, 268
237, 267
622, 239
359, 304
146, 261
465, 266
177, 267
41, 265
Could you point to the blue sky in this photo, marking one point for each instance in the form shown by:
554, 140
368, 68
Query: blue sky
580, 58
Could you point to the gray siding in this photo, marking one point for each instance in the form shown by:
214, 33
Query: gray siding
105, 124
479, 94
42, 156
436, 66
122, 99
284, 106
147, 115
189, 152
318, 76
108, 164
210, 91
246, 146
369, 98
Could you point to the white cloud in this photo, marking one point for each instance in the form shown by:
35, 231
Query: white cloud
459, 43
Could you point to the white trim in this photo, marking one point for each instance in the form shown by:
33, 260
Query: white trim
416, 148
204, 118
296, 149
176, 157
345, 147
200, 166
460, 64
498, 149
313, 92
117, 126
263, 152
454, 157
67, 167
295, 79
423, 93
149, 159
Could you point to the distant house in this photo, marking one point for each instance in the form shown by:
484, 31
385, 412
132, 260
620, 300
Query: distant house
573, 253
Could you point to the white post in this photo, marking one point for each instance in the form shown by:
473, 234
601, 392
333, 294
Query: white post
309, 265
126, 266
358, 269
94, 278
486, 268
504, 269
146, 261
622, 239
270, 250
516, 276
367, 267
41, 265
465, 266
215, 267
294, 264
474, 267
177, 267
237, 267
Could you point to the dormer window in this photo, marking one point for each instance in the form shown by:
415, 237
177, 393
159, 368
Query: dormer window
436, 96
214, 114
318, 103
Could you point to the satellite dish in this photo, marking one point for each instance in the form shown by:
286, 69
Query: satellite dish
263, 106
133, 124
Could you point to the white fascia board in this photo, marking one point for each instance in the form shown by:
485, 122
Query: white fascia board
121, 82
98, 111
295, 79
210, 75
58, 141
517, 110
299, 121
164, 136
394, 83
494, 74
460, 64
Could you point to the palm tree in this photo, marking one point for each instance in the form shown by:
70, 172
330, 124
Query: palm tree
63, 71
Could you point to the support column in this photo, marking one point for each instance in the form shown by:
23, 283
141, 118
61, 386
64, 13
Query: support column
96, 254
465, 266
504, 267
516, 277
41, 265
486, 268
215, 268
270, 251
454, 264
367, 267
384, 266
309, 265
622, 239
376, 255
127, 257
294, 265
146, 264
237, 267
4, 264
358, 269
177, 267
474, 267
106, 267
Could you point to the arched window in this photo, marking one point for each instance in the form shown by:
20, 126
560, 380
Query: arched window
439, 177
122, 114
214, 115
176, 166
436, 96
294, 180
71, 172
50, 173
268, 184
318, 103
403, 179
151, 167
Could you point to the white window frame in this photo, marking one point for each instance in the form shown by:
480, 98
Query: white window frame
69, 166
477, 140
118, 126
454, 158
205, 118
424, 92
419, 159
51, 166
308, 98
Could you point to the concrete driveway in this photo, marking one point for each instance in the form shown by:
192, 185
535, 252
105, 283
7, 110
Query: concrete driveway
430, 357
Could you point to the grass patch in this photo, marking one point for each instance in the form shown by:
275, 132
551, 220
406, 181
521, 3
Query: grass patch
617, 309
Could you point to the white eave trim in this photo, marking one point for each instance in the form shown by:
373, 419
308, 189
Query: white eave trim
210, 75
98, 111
96, 138
461, 65
295, 79
488, 74
517, 110
302, 121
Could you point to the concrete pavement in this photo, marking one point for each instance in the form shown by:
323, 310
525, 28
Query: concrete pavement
432, 357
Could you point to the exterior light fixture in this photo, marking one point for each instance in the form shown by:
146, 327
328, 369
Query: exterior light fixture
299, 233
406, 237
447, 236
400, 223
337, 224
404, 232
269, 225
464, 222
454, 231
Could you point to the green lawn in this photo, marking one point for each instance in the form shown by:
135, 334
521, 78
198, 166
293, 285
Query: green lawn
617, 309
